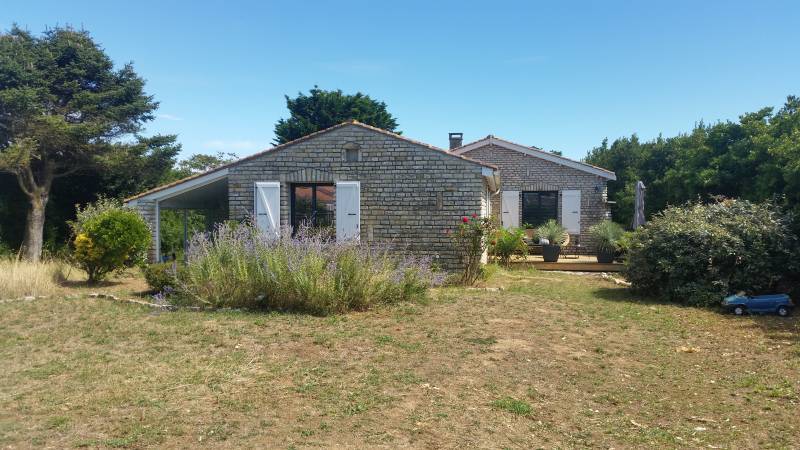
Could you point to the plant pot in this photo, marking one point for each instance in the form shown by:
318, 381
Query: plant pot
550, 253
530, 233
605, 256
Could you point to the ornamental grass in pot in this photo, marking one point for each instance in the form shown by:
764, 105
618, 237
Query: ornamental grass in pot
551, 234
607, 236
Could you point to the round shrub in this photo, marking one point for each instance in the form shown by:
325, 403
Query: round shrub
698, 253
109, 237
162, 277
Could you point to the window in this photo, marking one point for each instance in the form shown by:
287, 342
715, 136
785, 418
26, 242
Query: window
352, 152
539, 207
312, 205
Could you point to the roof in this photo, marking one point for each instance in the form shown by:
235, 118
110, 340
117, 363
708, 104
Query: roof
302, 139
535, 152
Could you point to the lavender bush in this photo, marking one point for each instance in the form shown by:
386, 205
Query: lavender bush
238, 266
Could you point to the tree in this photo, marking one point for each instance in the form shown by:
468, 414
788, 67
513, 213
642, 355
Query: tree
199, 163
63, 107
322, 109
756, 158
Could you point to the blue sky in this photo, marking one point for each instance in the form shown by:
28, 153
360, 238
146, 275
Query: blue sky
558, 75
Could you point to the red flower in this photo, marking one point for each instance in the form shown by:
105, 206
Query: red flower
474, 216
465, 219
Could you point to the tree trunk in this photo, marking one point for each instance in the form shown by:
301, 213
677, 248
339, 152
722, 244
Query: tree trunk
34, 227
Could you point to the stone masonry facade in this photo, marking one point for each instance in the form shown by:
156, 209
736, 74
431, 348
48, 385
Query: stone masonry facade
410, 194
521, 172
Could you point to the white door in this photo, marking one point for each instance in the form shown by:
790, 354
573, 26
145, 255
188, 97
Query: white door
348, 210
267, 203
510, 209
571, 211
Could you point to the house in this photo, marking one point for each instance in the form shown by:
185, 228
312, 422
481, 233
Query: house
370, 184
364, 182
539, 185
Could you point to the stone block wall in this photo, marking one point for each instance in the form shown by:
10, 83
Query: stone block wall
410, 194
520, 172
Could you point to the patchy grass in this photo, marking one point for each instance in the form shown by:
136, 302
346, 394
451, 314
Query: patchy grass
554, 360
513, 405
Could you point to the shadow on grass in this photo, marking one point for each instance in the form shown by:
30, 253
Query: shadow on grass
773, 327
627, 295
83, 284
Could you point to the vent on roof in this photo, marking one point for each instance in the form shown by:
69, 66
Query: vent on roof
456, 139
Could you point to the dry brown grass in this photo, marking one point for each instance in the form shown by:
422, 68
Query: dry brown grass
555, 360
23, 278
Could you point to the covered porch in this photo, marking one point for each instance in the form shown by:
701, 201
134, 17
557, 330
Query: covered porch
177, 211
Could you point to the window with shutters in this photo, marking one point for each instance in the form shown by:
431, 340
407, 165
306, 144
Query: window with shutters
539, 206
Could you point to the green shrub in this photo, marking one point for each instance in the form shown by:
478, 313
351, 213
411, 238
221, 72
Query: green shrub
697, 253
552, 231
471, 239
162, 277
607, 236
108, 237
240, 267
508, 242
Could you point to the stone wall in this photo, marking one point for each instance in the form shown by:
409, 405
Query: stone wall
520, 172
410, 194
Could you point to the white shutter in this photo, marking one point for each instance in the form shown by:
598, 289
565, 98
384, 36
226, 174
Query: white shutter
571, 211
510, 209
348, 210
267, 203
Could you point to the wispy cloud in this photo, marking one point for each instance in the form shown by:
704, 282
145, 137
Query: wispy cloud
358, 66
234, 146
169, 117
524, 60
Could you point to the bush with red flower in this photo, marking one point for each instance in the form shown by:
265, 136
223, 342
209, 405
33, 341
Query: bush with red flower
471, 238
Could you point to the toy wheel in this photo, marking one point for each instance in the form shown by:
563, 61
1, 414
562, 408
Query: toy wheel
783, 311
739, 310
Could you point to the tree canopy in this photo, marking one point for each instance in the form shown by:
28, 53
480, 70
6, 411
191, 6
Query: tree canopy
756, 158
322, 109
63, 108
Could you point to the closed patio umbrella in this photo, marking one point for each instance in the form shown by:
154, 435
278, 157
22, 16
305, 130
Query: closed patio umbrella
638, 205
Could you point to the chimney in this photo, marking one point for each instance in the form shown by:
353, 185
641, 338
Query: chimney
456, 139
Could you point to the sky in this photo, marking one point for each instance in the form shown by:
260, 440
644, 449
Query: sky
559, 75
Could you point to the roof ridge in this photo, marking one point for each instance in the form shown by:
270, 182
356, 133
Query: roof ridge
531, 147
302, 139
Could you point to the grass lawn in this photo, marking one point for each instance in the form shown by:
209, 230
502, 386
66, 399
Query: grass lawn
554, 360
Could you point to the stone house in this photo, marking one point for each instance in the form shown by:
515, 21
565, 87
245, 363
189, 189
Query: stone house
370, 184
539, 185
364, 182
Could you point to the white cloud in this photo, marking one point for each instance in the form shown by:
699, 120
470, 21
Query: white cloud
169, 117
230, 146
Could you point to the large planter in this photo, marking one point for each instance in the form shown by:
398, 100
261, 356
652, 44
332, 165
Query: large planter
550, 252
605, 256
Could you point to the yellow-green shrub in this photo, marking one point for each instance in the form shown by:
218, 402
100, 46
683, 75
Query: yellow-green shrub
109, 237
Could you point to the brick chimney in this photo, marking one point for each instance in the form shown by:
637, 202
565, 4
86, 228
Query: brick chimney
456, 139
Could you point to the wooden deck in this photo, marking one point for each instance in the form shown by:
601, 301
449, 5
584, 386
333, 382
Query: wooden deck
582, 263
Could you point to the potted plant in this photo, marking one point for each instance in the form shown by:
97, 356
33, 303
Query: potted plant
530, 231
551, 234
607, 236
